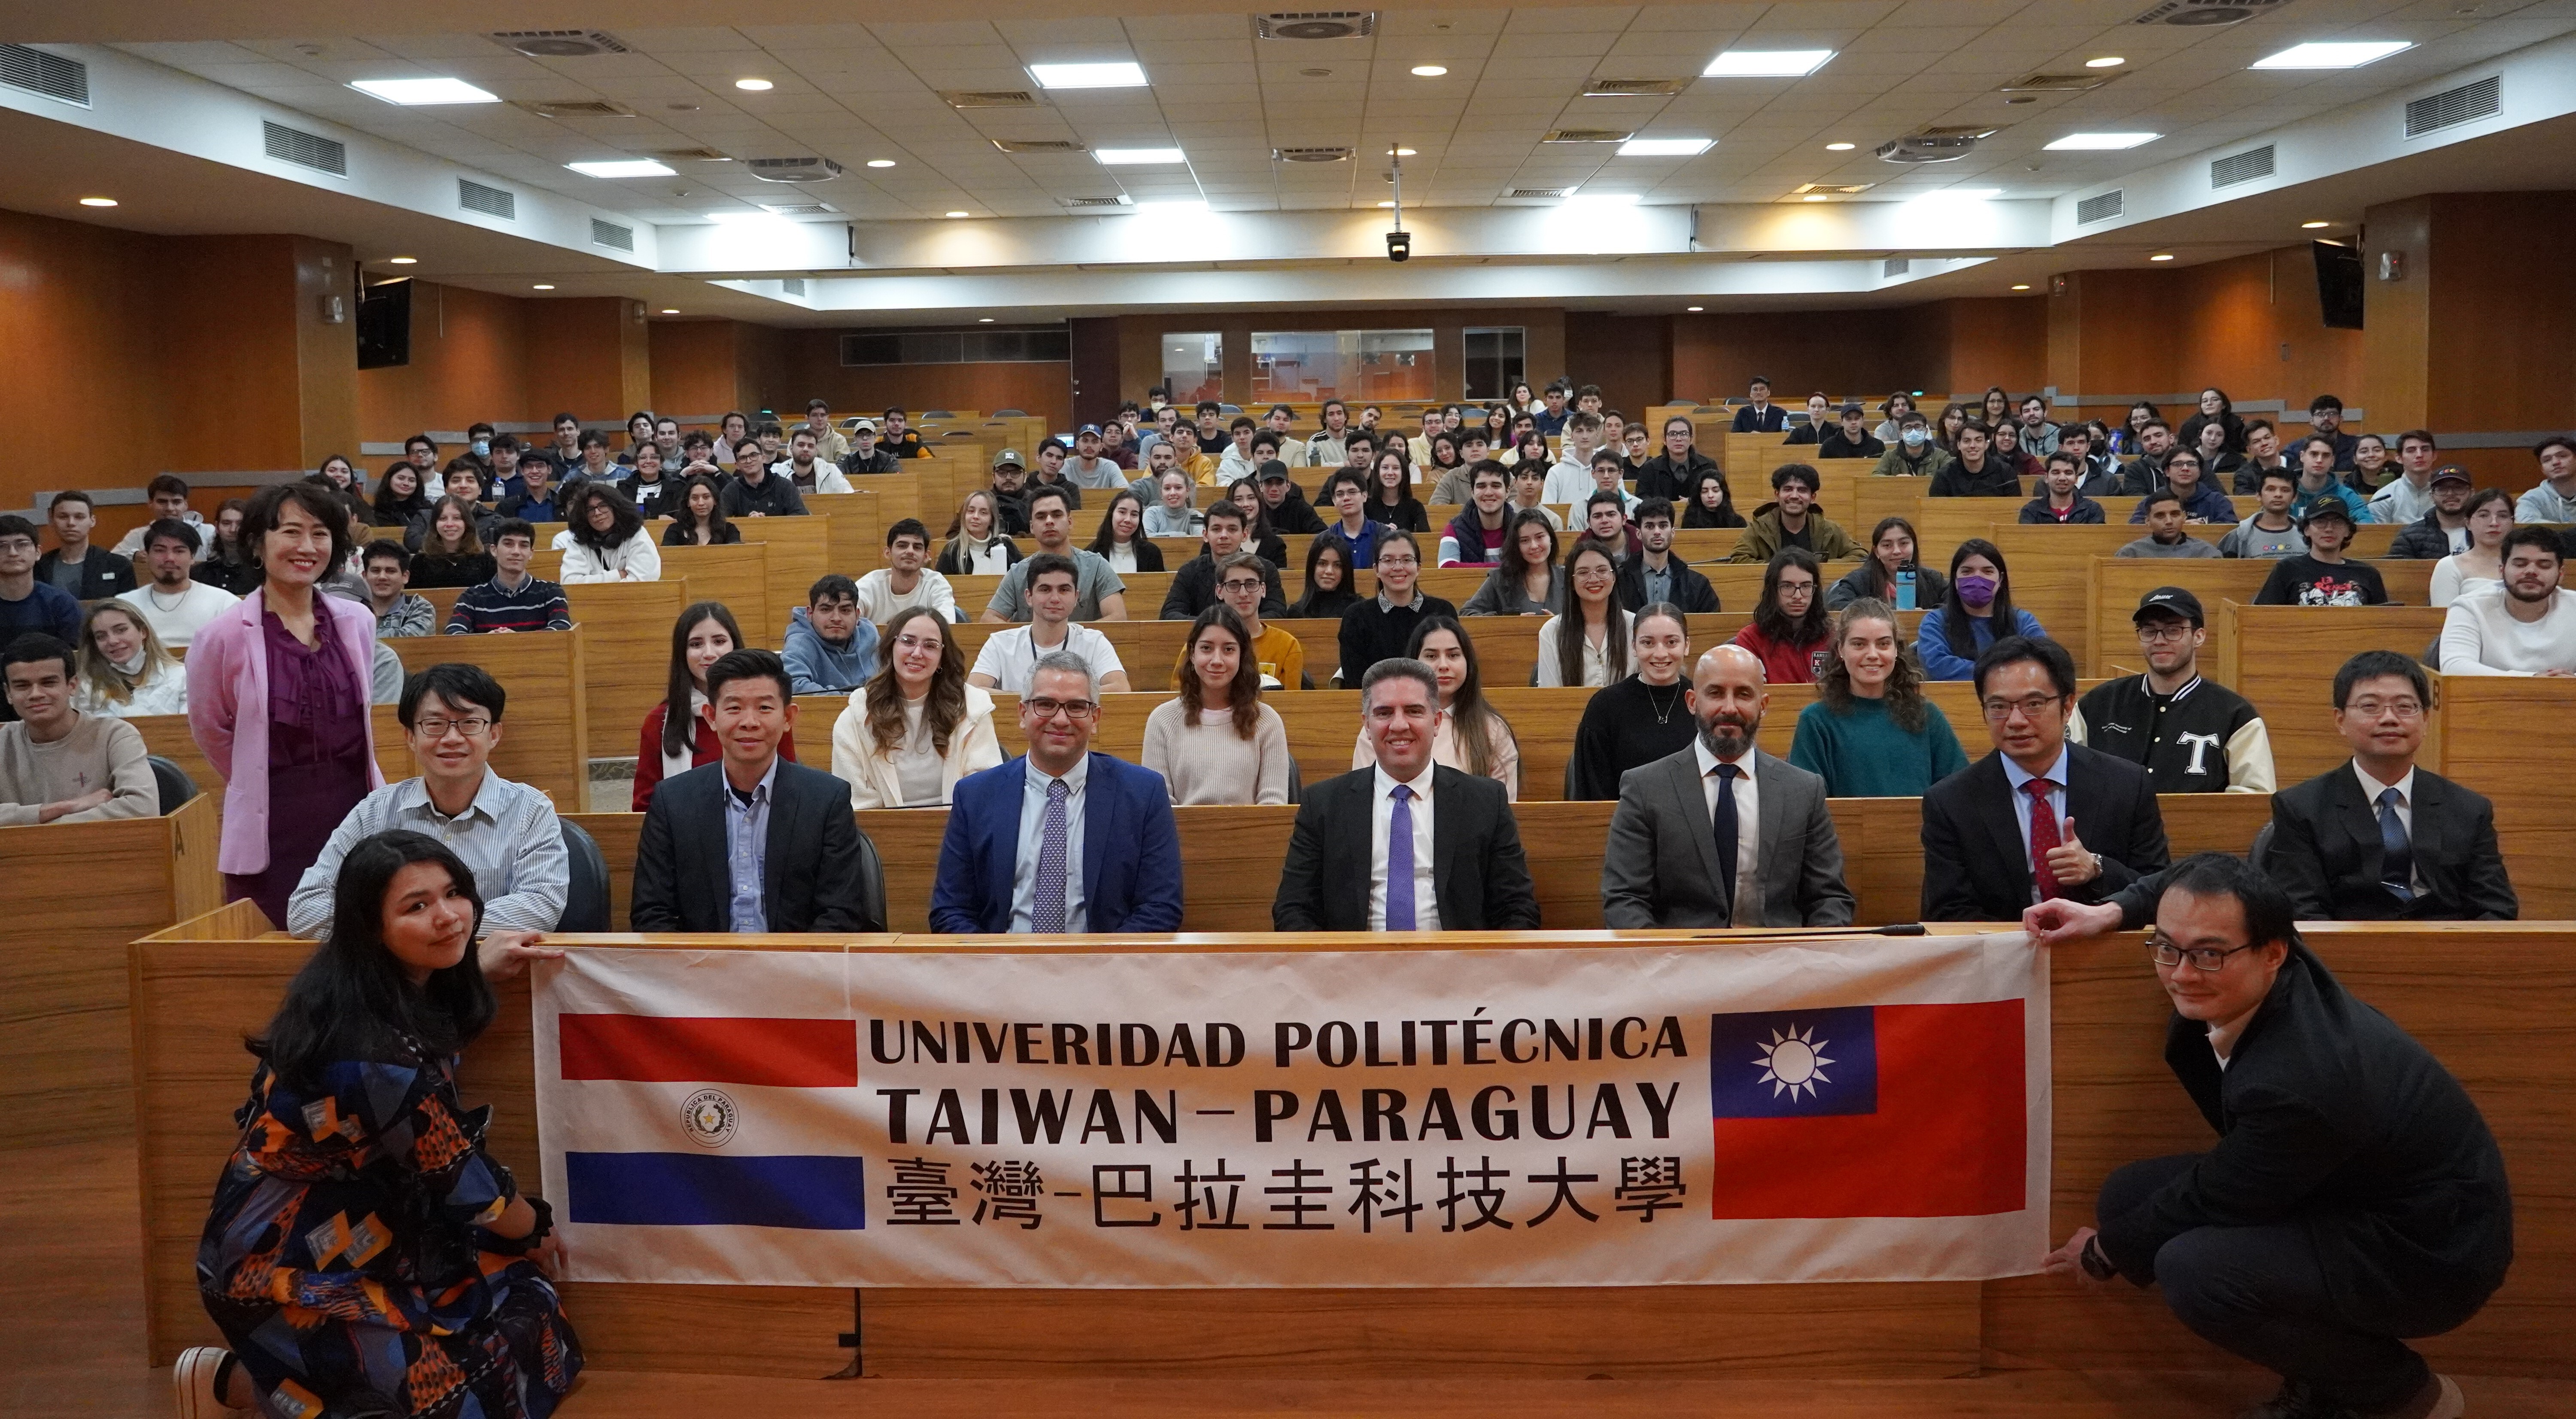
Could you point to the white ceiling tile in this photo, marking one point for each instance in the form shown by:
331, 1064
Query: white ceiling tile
911, 36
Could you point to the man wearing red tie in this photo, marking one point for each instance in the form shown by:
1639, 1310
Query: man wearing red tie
2004, 834
1407, 844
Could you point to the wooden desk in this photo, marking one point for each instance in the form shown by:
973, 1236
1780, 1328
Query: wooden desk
2284, 659
77, 893
2505, 736
2118, 583
2504, 993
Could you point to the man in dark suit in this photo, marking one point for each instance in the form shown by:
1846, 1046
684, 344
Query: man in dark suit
2355, 1198
752, 842
1060, 840
2004, 833
1365, 856
1761, 416
1722, 834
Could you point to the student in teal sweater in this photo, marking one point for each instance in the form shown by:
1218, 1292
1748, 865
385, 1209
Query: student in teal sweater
1870, 733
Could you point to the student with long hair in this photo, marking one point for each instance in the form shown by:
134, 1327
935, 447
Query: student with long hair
1994, 408
672, 744
976, 546
1789, 632
365, 1254
451, 549
399, 496
1587, 643
1171, 514
1473, 737
341, 476
1891, 554
1639, 719
1871, 733
1390, 493
1526, 581
278, 686
1259, 537
1945, 430
1217, 742
1977, 612
1445, 469
124, 672
916, 726
2124, 440
1328, 584
2480, 565
607, 538
228, 564
1893, 414
1710, 503
2215, 408
1121, 540
698, 516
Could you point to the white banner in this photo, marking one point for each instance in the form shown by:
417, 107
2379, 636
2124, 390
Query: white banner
1823, 1109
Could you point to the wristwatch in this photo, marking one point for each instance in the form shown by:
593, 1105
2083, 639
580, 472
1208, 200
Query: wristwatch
2095, 1264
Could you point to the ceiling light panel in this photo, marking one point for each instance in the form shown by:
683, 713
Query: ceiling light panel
1666, 147
625, 167
1140, 157
1126, 74
2101, 142
416, 92
1766, 63
2342, 55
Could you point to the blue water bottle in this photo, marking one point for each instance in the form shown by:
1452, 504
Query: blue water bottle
1905, 587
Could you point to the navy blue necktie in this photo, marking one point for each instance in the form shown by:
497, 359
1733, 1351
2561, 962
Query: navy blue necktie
1723, 820
2396, 853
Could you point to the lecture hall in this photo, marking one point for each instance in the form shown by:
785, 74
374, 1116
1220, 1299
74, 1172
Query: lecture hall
685, 700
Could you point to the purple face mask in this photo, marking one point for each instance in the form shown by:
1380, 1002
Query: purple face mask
1976, 590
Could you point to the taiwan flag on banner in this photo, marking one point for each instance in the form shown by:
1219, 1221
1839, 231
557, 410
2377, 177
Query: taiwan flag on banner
736, 1058
1869, 1111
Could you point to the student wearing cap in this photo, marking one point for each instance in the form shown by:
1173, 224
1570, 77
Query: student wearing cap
1010, 492
2322, 575
2189, 735
865, 457
1850, 438
1283, 502
2444, 527
1089, 467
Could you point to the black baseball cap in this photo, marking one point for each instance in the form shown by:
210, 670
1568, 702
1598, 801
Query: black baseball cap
2331, 509
1271, 468
2170, 601
2449, 473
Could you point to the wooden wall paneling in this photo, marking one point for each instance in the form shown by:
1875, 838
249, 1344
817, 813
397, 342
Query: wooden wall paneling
626, 655
2499, 735
798, 554
2119, 582
545, 737
2284, 659
738, 576
855, 545
81, 891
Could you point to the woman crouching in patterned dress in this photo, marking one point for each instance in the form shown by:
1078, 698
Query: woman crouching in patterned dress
366, 1256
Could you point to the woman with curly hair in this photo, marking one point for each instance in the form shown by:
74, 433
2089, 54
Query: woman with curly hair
1871, 733
605, 538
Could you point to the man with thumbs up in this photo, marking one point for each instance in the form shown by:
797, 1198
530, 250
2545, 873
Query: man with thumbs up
2002, 835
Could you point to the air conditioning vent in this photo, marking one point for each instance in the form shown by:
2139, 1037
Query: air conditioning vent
692, 155
2194, 14
2101, 207
988, 98
490, 201
1039, 145
311, 150
2060, 83
795, 169
1633, 88
1319, 24
2242, 167
2465, 104
1931, 146
1542, 194
559, 44
1095, 202
1895, 266
1310, 155
1587, 135
48, 74
574, 108
799, 209
610, 234
1841, 189
791, 286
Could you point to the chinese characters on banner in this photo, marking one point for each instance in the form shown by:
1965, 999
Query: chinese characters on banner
1867, 1108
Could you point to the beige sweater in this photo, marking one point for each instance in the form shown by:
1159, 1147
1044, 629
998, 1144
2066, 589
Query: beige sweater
1209, 763
98, 753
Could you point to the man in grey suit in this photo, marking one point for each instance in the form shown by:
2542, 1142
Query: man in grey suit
1722, 834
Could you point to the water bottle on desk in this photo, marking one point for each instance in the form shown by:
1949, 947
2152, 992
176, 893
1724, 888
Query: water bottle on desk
1905, 587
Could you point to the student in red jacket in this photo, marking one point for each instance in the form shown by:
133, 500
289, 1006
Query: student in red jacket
705, 633
1790, 629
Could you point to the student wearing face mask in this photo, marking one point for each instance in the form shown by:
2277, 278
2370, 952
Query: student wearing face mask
1914, 454
1977, 612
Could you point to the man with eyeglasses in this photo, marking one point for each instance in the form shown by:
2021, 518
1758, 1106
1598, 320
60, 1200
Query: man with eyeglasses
2355, 1198
2039, 817
1241, 584
1060, 840
2191, 736
507, 832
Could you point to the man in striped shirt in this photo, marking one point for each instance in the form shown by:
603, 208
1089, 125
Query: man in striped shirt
512, 600
507, 832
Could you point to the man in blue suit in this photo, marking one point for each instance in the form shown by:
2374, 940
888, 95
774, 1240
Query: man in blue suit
1061, 840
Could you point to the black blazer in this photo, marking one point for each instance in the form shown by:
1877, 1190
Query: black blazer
812, 876
2332, 1117
1480, 877
2325, 853
1976, 863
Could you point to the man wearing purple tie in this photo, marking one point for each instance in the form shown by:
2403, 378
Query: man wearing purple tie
1061, 840
1406, 845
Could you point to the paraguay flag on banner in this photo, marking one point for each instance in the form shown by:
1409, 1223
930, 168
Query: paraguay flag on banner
1869, 1111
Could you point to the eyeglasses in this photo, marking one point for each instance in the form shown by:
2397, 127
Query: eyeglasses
2031, 706
918, 643
1387, 561
1240, 584
2205, 959
436, 727
2373, 709
2168, 631
1048, 709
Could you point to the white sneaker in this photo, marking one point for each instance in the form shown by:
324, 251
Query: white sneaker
192, 1383
2450, 1404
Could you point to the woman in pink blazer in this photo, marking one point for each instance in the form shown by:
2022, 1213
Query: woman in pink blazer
277, 699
